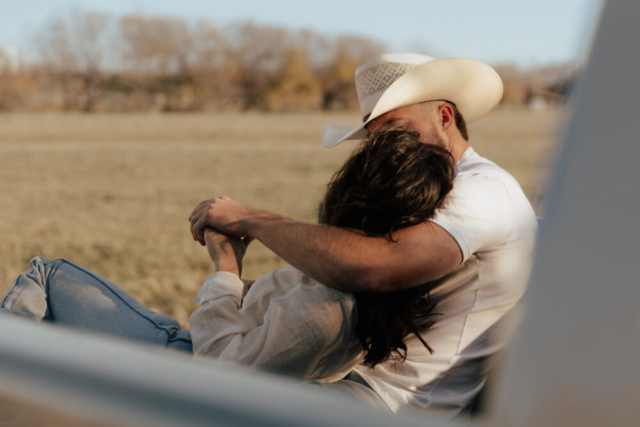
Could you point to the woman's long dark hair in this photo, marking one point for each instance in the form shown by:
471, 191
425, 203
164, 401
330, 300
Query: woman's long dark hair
390, 182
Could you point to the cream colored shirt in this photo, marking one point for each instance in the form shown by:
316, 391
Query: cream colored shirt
287, 323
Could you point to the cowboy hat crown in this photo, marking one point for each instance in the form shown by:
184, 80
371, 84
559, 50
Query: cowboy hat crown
394, 80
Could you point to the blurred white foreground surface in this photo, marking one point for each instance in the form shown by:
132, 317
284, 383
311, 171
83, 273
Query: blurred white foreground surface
575, 358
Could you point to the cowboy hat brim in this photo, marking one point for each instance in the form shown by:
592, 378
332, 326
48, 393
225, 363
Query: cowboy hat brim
335, 134
474, 87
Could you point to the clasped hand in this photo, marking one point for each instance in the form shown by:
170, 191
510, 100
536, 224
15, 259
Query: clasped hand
217, 223
221, 213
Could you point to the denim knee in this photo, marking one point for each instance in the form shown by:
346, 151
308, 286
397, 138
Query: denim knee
27, 295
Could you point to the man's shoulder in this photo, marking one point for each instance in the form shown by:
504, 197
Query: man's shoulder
484, 180
486, 207
474, 166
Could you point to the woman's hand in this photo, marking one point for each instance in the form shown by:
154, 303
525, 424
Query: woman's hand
225, 251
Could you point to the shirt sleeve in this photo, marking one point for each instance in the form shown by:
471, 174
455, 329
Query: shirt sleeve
478, 214
306, 332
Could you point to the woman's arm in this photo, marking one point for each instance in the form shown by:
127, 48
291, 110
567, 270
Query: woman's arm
225, 251
303, 329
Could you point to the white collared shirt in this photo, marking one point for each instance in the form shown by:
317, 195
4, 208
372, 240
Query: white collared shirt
287, 323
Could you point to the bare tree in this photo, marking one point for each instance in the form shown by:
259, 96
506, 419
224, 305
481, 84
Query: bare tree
338, 76
7, 81
160, 51
359, 48
296, 87
259, 53
214, 68
550, 81
72, 48
156, 45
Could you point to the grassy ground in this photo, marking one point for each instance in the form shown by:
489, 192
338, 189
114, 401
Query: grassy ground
113, 192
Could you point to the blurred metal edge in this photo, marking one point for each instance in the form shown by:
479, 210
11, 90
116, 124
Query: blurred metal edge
109, 379
573, 360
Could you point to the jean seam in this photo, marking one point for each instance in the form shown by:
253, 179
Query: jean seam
98, 278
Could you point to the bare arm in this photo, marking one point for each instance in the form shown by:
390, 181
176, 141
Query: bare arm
226, 252
351, 261
337, 257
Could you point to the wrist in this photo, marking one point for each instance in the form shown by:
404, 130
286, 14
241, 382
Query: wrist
227, 264
255, 222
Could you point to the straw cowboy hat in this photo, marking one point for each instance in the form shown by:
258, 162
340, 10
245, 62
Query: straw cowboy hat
394, 80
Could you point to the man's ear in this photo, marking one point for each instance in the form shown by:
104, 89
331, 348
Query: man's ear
446, 117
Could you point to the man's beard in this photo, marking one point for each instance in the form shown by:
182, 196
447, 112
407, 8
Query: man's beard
433, 138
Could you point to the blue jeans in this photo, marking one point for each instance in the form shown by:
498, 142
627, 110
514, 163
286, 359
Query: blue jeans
67, 294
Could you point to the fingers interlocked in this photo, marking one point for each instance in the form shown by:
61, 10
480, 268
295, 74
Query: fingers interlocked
198, 219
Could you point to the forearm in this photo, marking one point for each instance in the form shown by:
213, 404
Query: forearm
226, 252
337, 257
344, 259
228, 264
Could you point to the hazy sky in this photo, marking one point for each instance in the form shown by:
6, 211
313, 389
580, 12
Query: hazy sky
527, 32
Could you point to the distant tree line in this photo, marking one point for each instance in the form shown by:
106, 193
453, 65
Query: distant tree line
91, 61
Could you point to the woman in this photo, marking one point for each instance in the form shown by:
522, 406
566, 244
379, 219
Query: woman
286, 322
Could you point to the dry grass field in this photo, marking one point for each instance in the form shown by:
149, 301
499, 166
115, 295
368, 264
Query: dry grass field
113, 192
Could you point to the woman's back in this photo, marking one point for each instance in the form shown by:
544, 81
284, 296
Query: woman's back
287, 323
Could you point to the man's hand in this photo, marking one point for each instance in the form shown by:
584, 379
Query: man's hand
226, 252
220, 213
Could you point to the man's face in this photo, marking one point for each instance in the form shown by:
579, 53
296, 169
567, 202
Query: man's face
419, 117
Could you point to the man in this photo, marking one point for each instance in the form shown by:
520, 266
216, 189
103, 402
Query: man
476, 249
